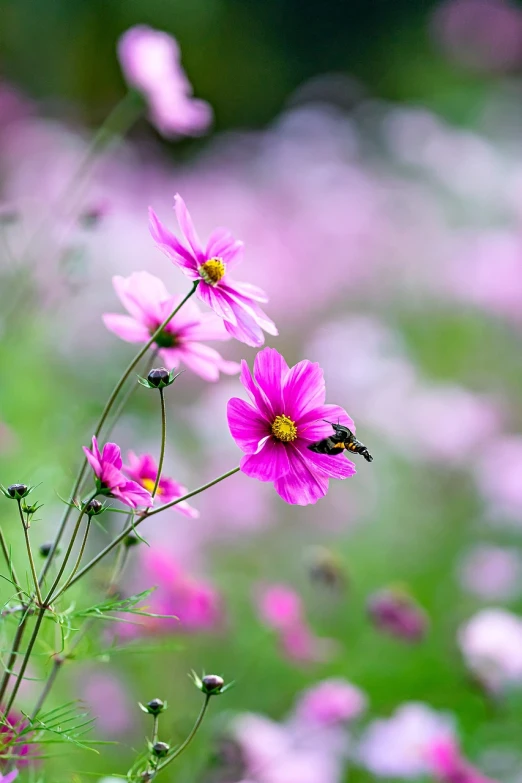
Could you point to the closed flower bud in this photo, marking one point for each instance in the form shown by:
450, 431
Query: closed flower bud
212, 683
94, 507
18, 491
155, 706
160, 749
397, 613
46, 549
158, 378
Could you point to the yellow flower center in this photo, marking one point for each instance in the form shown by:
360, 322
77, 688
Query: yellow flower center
284, 429
212, 271
149, 483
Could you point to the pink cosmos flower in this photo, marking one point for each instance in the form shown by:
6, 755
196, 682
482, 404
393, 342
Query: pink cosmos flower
491, 643
281, 609
287, 415
330, 702
150, 60
236, 303
10, 777
144, 470
448, 765
149, 303
107, 467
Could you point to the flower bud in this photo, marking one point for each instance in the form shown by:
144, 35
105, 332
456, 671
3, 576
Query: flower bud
160, 749
31, 509
18, 491
158, 378
46, 549
93, 508
396, 613
155, 706
212, 683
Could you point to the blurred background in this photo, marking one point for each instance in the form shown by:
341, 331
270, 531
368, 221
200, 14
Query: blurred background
369, 155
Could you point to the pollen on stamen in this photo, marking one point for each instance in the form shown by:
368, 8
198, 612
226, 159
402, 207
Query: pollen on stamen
212, 271
149, 483
284, 429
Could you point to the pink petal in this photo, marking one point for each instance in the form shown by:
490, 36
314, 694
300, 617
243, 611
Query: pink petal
217, 301
112, 455
170, 357
304, 389
270, 370
301, 486
247, 330
93, 462
221, 244
246, 425
208, 327
258, 397
187, 227
336, 466
315, 424
170, 245
187, 510
270, 464
250, 291
126, 327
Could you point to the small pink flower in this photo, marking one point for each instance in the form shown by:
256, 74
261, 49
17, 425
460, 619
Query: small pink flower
448, 765
107, 467
236, 303
330, 702
398, 614
491, 643
143, 470
150, 60
287, 415
281, 609
181, 342
10, 777
13, 745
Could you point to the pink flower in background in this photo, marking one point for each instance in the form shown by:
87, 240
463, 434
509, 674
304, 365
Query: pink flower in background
181, 342
144, 470
287, 415
396, 613
13, 746
502, 489
448, 766
400, 746
10, 777
150, 60
98, 690
236, 303
107, 467
491, 643
492, 572
281, 609
330, 702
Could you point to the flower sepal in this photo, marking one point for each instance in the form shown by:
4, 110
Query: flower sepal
16, 491
210, 684
159, 378
153, 707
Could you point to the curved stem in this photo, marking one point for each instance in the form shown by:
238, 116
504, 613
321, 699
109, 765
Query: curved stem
78, 559
9, 561
102, 420
17, 641
132, 527
190, 737
30, 554
163, 442
25, 660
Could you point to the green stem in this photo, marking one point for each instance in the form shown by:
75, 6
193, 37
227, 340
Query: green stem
163, 442
155, 729
25, 660
57, 665
50, 596
9, 561
132, 527
126, 397
102, 420
79, 558
17, 641
30, 554
189, 739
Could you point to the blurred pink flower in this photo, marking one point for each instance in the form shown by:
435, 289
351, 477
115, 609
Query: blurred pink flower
448, 766
330, 702
150, 60
400, 746
15, 749
10, 777
194, 603
281, 609
492, 572
237, 303
149, 304
107, 467
483, 35
491, 643
502, 488
396, 613
109, 702
288, 415
144, 470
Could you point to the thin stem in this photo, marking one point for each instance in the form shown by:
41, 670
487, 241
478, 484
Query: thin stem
190, 737
126, 397
25, 660
132, 527
102, 420
50, 596
80, 554
30, 554
17, 641
9, 561
163, 441
57, 665
155, 728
